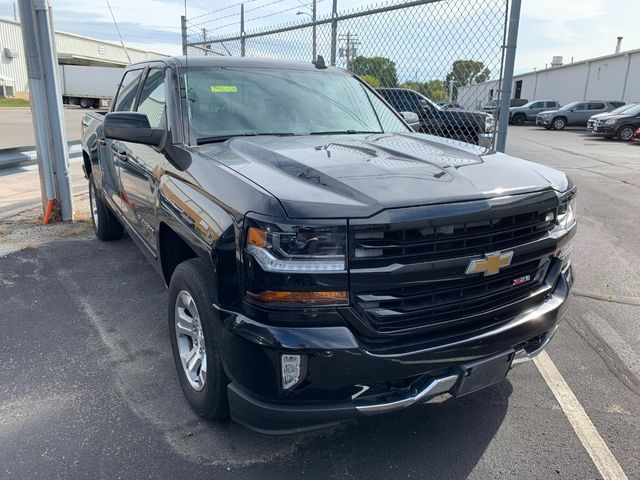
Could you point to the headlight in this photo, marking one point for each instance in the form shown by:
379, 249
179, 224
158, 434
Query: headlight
612, 121
567, 214
296, 248
489, 124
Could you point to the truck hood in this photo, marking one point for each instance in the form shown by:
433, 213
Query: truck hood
359, 175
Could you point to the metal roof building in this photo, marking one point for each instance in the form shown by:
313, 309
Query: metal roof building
72, 50
611, 77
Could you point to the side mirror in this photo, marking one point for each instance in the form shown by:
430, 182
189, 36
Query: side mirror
132, 127
412, 119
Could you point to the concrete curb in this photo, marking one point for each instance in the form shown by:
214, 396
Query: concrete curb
22, 156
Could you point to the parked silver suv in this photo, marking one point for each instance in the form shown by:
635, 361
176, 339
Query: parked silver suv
574, 113
529, 111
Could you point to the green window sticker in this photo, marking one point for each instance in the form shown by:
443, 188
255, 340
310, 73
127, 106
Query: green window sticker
224, 89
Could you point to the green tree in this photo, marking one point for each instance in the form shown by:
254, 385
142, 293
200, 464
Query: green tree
372, 81
432, 89
465, 72
381, 68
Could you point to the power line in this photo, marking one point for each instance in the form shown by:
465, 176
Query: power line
234, 14
222, 9
297, 7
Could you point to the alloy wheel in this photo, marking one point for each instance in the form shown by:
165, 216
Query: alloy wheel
190, 340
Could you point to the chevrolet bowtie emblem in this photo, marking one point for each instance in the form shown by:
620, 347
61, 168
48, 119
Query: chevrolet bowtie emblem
490, 264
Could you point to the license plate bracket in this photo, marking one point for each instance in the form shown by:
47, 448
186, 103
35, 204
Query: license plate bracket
483, 373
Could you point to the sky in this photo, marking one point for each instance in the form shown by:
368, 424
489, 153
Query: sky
577, 29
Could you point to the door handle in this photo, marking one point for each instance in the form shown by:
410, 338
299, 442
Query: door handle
102, 141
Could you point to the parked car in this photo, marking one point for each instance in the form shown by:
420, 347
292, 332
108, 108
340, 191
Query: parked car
621, 125
574, 114
465, 125
592, 120
529, 111
323, 261
493, 107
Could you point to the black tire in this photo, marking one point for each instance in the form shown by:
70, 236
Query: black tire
211, 400
105, 223
96, 103
85, 102
625, 133
558, 123
518, 120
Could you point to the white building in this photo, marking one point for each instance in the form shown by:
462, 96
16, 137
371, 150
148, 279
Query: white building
72, 50
612, 77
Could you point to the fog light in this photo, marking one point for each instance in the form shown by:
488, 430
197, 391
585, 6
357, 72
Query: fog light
293, 367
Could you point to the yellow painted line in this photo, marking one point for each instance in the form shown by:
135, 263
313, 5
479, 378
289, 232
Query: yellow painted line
596, 447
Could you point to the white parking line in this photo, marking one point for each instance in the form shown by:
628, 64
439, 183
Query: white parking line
604, 460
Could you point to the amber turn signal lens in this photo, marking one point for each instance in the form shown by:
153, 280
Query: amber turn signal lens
312, 297
257, 237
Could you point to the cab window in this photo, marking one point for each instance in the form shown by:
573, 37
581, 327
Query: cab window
127, 92
152, 100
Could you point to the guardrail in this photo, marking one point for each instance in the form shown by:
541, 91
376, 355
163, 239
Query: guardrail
24, 156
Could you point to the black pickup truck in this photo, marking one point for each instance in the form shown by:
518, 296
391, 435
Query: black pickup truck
323, 260
465, 125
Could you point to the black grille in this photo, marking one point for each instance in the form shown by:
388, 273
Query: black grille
438, 241
440, 304
411, 276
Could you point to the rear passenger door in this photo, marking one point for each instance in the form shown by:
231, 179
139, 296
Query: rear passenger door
143, 164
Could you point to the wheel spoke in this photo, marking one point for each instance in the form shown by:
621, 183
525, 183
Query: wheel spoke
194, 364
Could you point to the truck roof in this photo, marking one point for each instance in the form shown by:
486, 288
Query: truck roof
202, 61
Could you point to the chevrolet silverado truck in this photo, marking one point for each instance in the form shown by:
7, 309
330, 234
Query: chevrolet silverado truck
324, 261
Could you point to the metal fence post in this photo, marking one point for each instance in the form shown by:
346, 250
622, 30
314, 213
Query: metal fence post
183, 28
507, 79
242, 39
47, 103
334, 31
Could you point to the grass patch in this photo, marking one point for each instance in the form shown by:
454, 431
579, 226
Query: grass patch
13, 102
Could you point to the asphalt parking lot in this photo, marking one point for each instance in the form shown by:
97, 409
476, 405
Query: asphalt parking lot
88, 388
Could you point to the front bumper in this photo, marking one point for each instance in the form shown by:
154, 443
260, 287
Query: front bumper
543, 121
378, 382
604, 130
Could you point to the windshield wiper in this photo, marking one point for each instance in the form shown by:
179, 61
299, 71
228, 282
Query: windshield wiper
343, 132
223, 138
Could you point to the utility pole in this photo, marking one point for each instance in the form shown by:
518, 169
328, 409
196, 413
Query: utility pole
46, 107
351, 41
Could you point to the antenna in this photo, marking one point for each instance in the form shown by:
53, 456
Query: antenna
118, 30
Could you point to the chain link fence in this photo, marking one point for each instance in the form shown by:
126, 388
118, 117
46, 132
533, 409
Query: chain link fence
419, 55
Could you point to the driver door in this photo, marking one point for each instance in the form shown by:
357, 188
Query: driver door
141, 165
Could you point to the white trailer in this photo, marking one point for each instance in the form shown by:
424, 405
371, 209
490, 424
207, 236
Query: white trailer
88, 86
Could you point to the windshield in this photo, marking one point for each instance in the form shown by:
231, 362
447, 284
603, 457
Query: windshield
569, 106
632, 109
225, 102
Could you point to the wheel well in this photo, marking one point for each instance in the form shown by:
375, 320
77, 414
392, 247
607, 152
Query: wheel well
173, 251
87, 162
